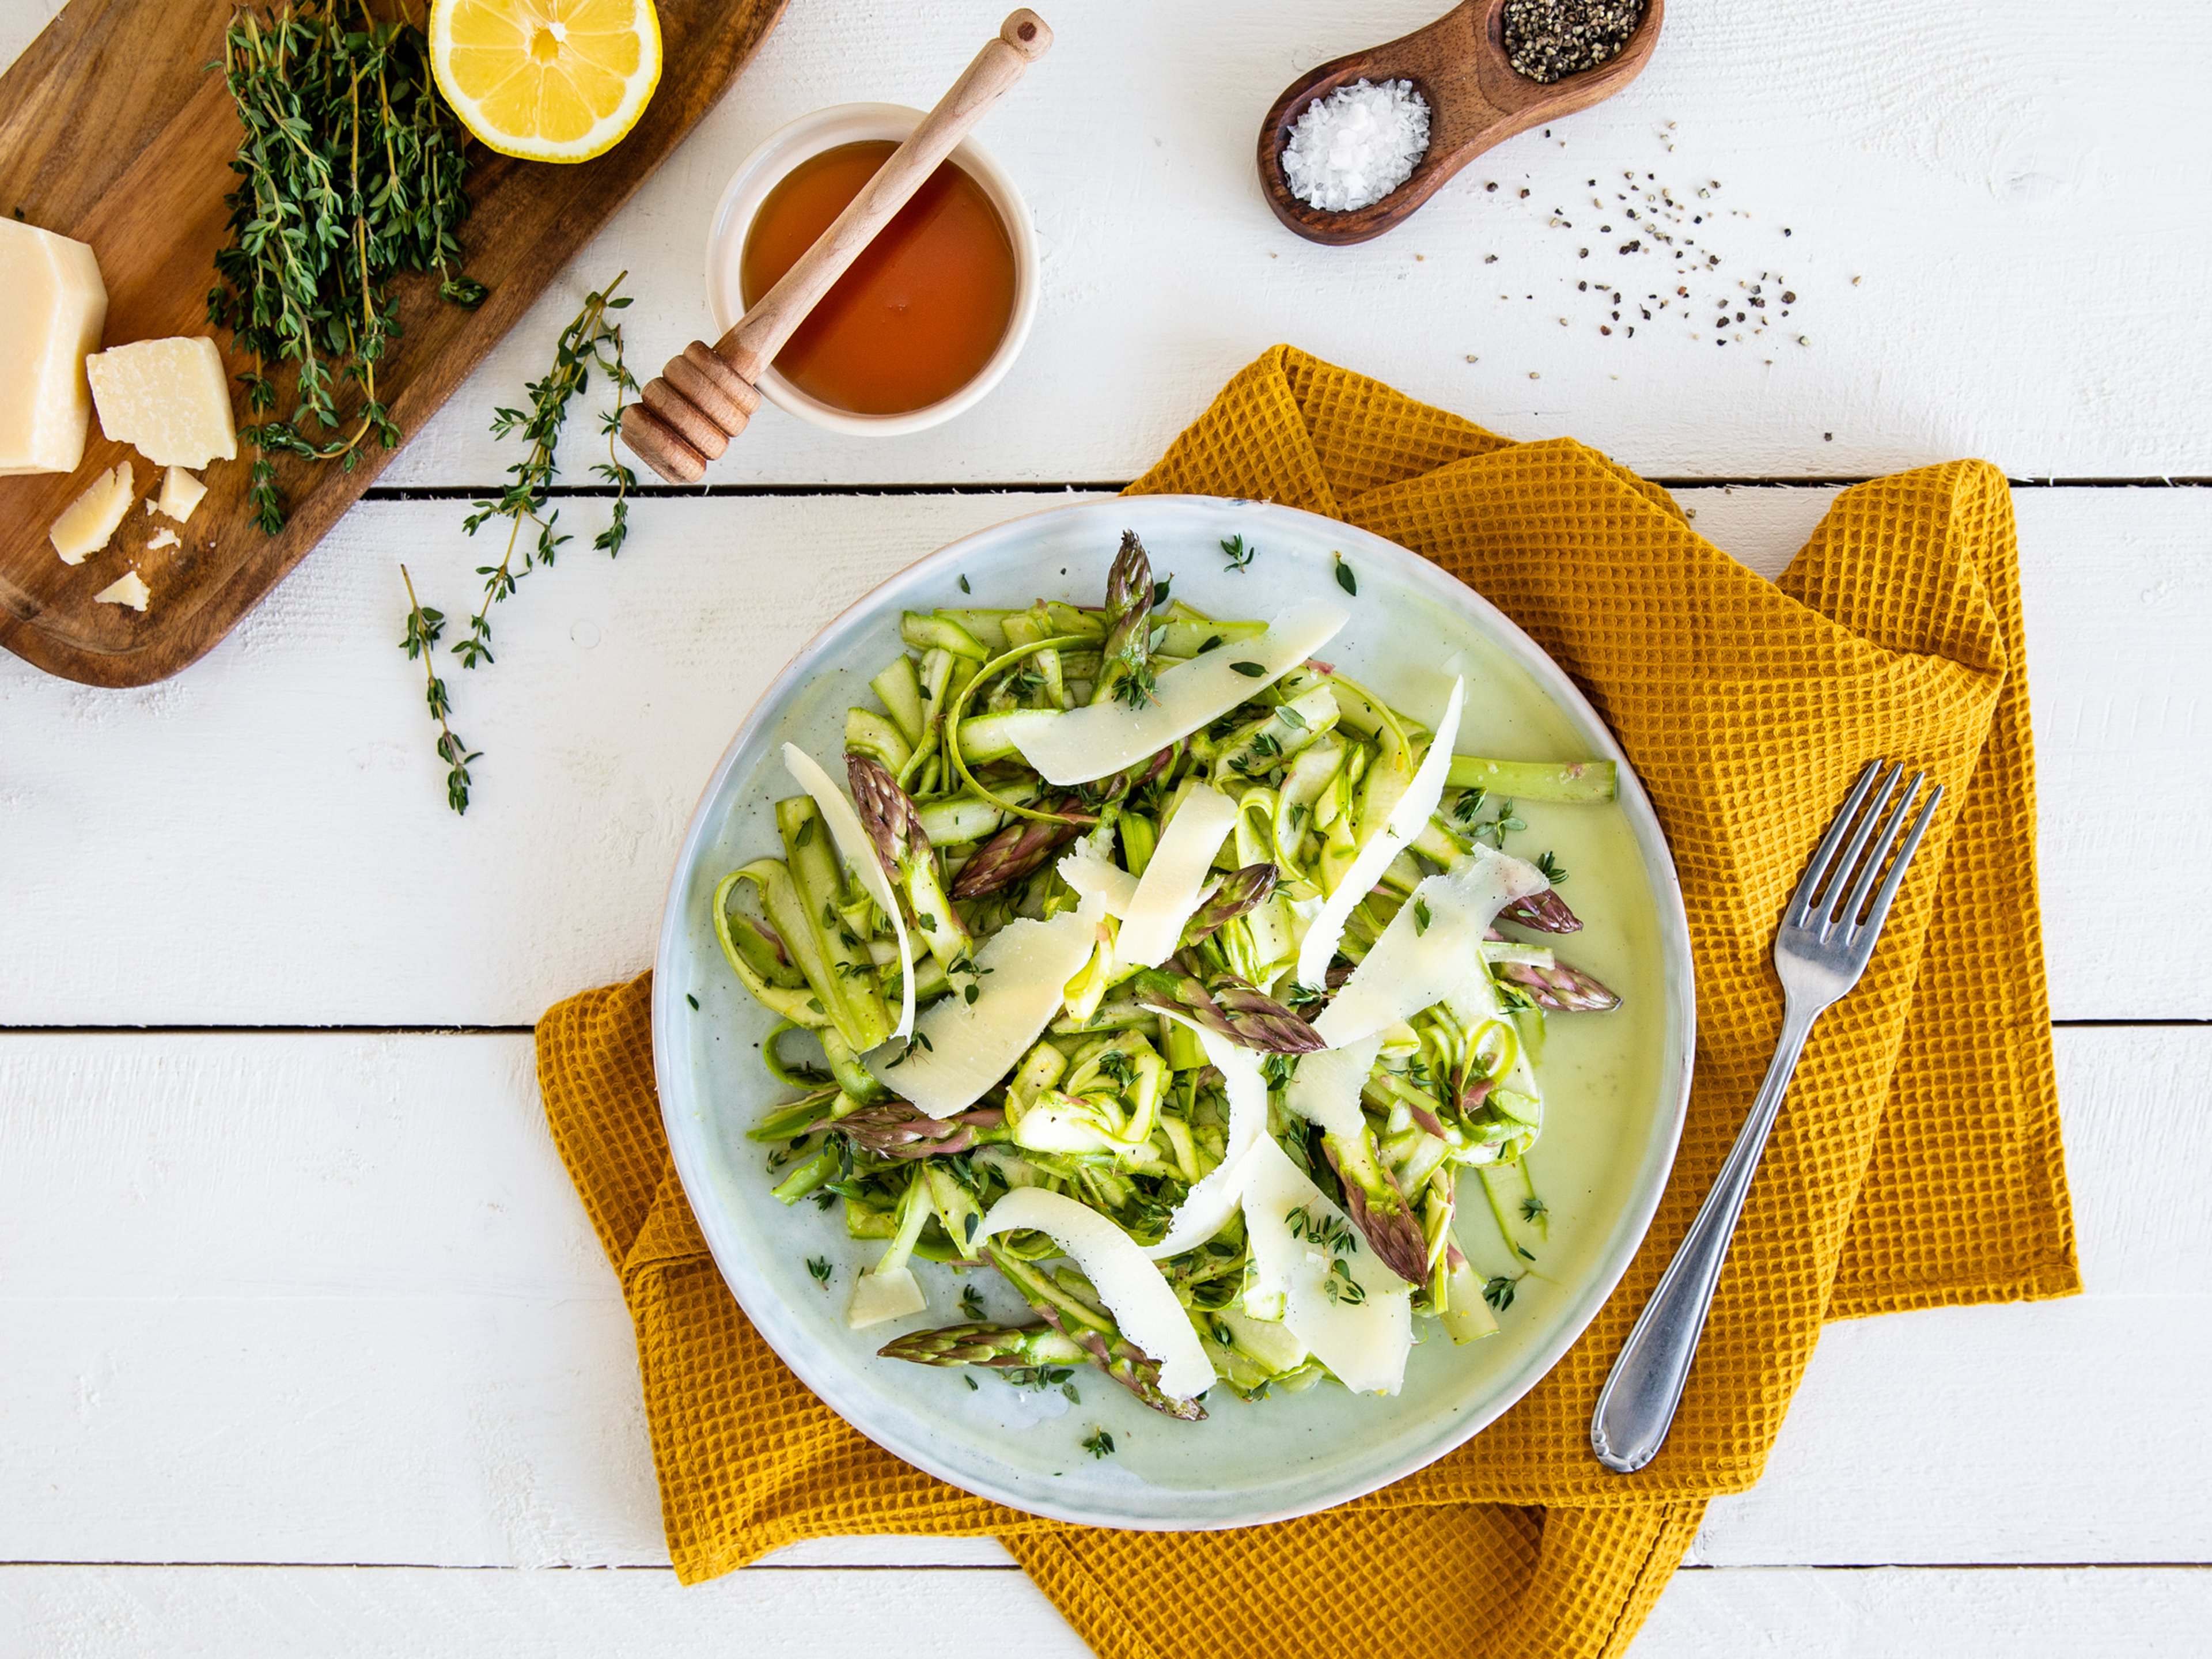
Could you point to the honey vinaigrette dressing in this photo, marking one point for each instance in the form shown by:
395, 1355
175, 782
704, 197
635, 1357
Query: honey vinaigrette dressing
923, 309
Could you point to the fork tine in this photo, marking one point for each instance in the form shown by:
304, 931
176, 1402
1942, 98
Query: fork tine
1847, 914
1896, 877
1825, 907
1801, 902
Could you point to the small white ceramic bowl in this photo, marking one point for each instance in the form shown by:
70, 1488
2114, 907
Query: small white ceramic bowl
769, 164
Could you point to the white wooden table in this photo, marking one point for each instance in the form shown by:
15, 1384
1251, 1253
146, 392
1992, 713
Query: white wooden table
305, 1345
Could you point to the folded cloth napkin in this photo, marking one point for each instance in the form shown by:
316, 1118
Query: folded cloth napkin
1916, 1163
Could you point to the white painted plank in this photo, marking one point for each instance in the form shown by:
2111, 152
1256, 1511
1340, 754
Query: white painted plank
20, 23
328, 1298
341, 1612
1931, 1613
1991, 236
263, 840
338, 1612
2014, 203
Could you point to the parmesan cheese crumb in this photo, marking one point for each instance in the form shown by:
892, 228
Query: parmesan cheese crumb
129, 588
160, 538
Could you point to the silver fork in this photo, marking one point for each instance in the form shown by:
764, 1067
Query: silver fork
1828, 936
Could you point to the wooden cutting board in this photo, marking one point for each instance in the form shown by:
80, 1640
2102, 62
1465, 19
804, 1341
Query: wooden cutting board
113, 130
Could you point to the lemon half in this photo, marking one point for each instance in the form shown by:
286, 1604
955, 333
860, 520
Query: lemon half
546, 80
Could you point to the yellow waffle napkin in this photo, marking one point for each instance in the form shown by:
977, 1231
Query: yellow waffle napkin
1916, 1162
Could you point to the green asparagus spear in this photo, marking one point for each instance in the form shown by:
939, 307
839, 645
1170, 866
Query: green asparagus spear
1125, 673
1546, 913
1237, 892
1003, 1347
1561, 989
1018, 851
1099, 1338
1376, 1207
1222, 1002
889, 815
895, 1129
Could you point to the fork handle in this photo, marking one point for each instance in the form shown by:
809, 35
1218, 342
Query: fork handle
1637, 1405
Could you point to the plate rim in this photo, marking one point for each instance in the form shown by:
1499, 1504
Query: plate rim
780, 1330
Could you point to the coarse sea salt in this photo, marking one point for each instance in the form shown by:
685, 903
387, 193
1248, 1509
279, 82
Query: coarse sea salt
1354, 147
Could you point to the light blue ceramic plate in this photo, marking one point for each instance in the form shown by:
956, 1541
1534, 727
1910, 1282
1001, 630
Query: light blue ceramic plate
1616, 1083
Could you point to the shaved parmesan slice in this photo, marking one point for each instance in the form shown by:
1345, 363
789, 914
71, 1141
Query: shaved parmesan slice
962, 1047
1080, 745
878, 1297
1168, 892
87, 522
1206, 1207
1325, 1089
1407, 820
1092, 873
1363, 1342
852, 841
1416, 964
1133, 1289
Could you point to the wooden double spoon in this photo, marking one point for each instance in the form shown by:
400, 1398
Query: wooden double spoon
702, 400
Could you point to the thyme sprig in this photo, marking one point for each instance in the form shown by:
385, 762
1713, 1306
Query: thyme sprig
351, 172
423, 627
591, 340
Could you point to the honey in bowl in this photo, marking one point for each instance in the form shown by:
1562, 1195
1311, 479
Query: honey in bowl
923, 309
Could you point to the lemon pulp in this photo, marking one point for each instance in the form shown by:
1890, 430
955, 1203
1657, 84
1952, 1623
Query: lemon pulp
546, 80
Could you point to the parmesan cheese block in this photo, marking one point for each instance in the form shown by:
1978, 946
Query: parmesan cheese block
129, 588
169, 398
1417, 964
1077, 745
1167, 892
1407, 820
852, 841
1296, 1236
1132, 1288
962, 1048
180, 494
1206, 1207
57, 306
86, 522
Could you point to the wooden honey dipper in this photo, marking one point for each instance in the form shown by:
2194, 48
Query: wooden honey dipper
702, 400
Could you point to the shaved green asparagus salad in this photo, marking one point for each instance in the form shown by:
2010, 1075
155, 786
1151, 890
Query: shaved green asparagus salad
1170, 973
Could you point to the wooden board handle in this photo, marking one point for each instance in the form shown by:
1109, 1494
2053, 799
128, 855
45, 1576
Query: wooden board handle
687, 418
